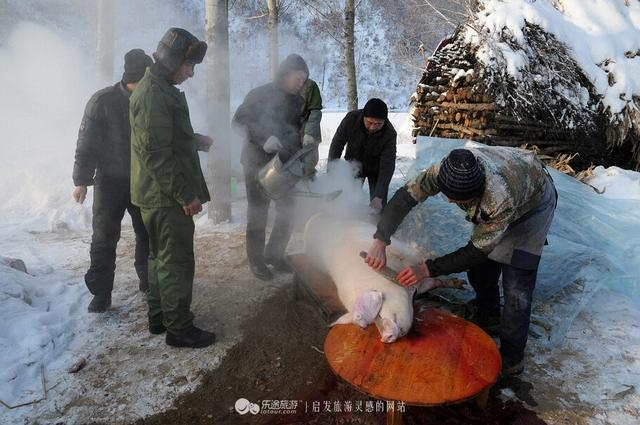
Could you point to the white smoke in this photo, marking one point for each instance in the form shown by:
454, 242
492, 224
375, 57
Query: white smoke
352, 203
45, 87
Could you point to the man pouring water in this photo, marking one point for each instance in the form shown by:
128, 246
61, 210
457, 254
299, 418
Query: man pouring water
271, 118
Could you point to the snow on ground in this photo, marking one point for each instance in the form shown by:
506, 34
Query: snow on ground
616, 182
47, 323
603, 37
47, 328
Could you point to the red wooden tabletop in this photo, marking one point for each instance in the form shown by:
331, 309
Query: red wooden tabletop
443, 359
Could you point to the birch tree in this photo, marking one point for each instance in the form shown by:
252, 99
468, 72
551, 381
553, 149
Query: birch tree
105, 41
218, 109
273, 7
349, 54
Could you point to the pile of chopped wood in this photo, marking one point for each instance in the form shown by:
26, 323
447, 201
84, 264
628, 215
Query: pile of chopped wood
552, 105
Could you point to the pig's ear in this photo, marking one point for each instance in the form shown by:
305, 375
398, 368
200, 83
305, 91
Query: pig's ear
345, 319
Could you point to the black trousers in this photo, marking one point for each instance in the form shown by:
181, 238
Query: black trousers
257, 215
110, 201
373, 181
517, 285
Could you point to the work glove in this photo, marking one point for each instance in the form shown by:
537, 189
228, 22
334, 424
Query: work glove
311, 158
272, 145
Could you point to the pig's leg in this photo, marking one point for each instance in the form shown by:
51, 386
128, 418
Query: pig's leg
430, 283
345, 319
389, 329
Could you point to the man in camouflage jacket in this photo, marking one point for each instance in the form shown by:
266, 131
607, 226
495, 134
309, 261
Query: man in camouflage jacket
510, 198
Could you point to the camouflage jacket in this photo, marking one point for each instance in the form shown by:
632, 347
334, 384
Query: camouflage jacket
514, 185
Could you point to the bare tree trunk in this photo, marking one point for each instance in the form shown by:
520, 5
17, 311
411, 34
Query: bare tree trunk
349, 53
273, 6
218, 113
105, 41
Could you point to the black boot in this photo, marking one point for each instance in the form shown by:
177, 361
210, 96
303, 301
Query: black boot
489, 324
100, 303
192, 338
143, 286
261, 271
279, 264
511, 367
156, 329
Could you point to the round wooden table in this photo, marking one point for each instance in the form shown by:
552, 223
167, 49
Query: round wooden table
444, 359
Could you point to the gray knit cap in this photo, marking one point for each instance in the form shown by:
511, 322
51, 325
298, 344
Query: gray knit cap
461, 177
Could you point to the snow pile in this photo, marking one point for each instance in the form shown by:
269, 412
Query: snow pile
39, 315
616, 183
603, 37
36, 331
593, 242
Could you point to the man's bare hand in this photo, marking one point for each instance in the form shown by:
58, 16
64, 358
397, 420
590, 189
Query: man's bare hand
80, 194
193, 208
377, 255
376, 204
413, 275
203, 143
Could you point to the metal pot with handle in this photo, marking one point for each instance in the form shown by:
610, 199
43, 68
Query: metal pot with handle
278, 178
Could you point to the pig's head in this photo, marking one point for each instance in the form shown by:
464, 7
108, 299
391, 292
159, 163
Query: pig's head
366, 308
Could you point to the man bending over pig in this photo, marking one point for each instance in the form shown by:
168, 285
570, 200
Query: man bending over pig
510, 198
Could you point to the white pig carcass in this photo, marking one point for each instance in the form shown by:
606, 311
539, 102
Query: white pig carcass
334, 246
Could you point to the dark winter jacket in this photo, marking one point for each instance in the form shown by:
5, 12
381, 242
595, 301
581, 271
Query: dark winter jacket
269, 111
165, 167
103, 152
376, 152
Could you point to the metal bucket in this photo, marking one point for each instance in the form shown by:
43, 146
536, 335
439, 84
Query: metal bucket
277, 178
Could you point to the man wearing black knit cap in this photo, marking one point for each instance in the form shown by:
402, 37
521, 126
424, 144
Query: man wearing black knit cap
270, 118
371, 142
510, 198
102, 159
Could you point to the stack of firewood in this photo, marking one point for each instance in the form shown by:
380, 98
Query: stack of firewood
453, 101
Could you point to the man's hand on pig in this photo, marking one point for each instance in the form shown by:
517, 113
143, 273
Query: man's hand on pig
377, 256
376, 205
412, 275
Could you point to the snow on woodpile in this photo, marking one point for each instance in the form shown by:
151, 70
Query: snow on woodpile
558, 74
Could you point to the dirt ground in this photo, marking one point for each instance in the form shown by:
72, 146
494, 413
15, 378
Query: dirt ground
278, 358
269, 348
